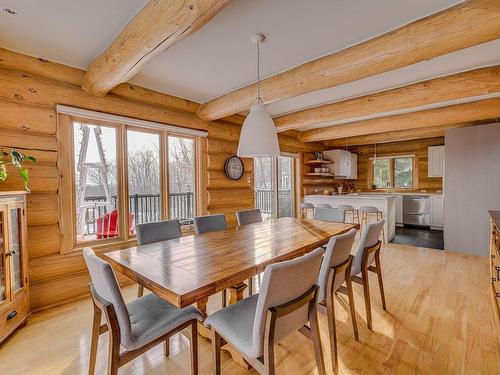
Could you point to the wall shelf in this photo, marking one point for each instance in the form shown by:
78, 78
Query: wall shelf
319, 174
318, 162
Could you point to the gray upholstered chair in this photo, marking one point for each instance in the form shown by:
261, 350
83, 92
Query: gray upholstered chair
324, 205
371, 210
136, 326
209, 223
335, 270
246, 217
286, 303
367, 253
333, 215
352, 210
155, 232
305, 208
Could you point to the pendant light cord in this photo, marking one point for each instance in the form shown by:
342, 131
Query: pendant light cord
259, 99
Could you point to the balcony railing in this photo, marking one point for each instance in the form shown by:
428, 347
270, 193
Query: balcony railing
146, 208
264, 199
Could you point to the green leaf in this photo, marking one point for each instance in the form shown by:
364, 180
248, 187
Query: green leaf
17, 158
25, 175
31, 158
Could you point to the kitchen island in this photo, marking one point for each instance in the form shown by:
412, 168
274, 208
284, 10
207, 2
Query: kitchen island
384, 202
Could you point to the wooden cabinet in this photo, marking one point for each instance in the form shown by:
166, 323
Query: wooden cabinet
14, 288
435, 163
495, 258
345, 163
436, 212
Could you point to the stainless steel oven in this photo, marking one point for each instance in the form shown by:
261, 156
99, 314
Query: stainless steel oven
416, 210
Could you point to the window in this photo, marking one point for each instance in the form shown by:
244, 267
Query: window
275, 186
181, 178
393, 172
124, 175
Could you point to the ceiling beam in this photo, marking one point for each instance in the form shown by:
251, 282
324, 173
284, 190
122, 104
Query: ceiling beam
159, 25
465, 25
453, 87
458, 113
398, 135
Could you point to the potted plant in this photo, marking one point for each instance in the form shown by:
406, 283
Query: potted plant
17, 159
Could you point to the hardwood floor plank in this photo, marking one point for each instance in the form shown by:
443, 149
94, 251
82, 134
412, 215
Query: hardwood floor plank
439, 320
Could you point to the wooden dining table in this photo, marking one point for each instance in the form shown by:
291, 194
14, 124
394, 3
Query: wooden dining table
190, 269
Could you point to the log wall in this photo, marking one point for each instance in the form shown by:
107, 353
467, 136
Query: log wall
28, 122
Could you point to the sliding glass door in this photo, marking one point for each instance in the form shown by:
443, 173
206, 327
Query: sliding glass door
275, 186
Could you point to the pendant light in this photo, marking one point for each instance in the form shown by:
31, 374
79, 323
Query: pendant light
258, 136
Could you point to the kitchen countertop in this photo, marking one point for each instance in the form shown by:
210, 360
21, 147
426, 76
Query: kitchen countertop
355, 195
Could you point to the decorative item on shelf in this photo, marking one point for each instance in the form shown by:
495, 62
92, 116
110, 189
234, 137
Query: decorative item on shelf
340, 188
17, 159
234, 168
258, 137
327, 192
318, 155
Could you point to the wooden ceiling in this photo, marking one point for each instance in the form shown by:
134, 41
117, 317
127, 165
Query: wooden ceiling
422, 109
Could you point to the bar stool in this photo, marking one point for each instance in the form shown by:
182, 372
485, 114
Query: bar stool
324, 205
367, 210
305, 207
349, 208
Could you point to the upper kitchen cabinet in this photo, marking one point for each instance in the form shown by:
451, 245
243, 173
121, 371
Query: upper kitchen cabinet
435, 161
345, 163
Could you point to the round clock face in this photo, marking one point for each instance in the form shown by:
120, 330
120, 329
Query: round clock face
234, 168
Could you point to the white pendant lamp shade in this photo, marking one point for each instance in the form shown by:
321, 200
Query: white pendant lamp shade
258, 137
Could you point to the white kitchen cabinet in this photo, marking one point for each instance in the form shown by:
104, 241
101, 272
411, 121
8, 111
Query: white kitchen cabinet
437, 212
345, 163
435, 163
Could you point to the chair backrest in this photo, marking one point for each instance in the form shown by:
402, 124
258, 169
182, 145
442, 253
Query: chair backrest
283, 282
369, 238
158, 231
246, 217
333, 215
209, 223
337, 252
324, 205
107, 287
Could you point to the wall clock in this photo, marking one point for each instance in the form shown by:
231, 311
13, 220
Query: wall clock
234, 168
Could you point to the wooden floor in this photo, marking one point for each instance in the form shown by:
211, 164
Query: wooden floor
439, 321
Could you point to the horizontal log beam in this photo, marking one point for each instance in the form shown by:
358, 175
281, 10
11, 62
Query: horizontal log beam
459, 113
453, 87
465, 25
159, 25
397, 135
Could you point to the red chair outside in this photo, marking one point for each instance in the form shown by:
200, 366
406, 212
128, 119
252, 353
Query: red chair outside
107, 225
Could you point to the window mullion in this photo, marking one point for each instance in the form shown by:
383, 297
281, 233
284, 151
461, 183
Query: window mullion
122, 180
165, 214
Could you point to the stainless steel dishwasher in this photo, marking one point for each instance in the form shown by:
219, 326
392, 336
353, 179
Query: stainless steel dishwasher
416, 210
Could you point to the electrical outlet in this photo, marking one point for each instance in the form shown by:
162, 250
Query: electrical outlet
248, 179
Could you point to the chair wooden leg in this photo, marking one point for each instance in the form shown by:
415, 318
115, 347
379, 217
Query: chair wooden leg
380, 282
366, 292
318, 350
94, 339
194, 347
351, 306
216, 351
250, 286
113, 354
269, 365
330, 312
166, 347
140, 291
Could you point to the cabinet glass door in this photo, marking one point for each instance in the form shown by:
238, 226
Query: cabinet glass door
3, 243
16, 248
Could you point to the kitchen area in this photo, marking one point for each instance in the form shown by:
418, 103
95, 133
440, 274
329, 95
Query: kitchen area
403, 180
